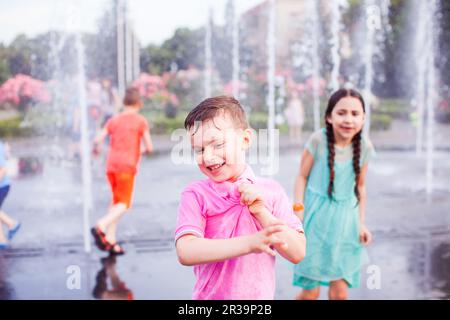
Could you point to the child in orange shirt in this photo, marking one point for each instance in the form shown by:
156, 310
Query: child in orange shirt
126, 130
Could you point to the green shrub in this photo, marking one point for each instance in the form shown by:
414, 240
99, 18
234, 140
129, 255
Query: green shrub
258, 120
160, 124
380, 122
12, 128
396, 108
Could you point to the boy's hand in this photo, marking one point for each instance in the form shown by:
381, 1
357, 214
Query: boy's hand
263, 240
365, 236
252, 197
96, 150
145, 151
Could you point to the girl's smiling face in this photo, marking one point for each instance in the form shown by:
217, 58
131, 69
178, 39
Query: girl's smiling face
220, 148
347, 118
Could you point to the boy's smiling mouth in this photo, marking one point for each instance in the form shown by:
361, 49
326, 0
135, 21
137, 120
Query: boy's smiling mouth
215, 167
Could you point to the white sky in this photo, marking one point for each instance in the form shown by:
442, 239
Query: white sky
153, 20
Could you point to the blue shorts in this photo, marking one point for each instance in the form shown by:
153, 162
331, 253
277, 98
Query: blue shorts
3, 193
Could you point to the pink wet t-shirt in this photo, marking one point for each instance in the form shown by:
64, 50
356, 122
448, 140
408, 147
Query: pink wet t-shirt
212, 210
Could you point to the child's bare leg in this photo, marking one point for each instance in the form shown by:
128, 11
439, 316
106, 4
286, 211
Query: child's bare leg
338, 290
114, 276
11, 223
111, 232
2, 235
114, 214
312, 294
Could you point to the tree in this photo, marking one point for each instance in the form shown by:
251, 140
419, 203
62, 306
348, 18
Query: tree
185, 45
394, 53
444, 44
156, 60
101, 48
184, 48
4, 67
37, 56
19, 57
223, 44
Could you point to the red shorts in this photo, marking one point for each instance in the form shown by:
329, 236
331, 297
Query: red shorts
122, 187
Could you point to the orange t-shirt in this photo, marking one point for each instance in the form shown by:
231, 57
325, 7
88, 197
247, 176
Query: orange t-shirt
125, 131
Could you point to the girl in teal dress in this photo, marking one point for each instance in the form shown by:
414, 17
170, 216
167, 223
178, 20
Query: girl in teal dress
331, 189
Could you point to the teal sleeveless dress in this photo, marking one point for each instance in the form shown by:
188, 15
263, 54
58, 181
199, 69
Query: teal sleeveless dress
333, 250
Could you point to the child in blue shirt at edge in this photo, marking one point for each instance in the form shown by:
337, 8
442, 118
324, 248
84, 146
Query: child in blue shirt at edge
13, 225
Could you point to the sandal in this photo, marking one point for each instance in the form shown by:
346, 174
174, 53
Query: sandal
116, 249
13, 231
100, 239
4, 245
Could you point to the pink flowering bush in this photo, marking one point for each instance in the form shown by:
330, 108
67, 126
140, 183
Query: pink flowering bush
154, 89
239, 85
23, 91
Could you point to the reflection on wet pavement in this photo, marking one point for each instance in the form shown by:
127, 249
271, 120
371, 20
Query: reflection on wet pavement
440, 269
116, 289
6, 289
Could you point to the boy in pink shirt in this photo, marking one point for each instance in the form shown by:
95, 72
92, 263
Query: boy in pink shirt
126, 130
231, 224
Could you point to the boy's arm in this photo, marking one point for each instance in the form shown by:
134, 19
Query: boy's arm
147, 142
295, 243
98, 140
101, 136
192, 250
295, 248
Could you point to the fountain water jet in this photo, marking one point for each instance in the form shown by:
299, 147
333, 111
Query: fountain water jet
235, 53
84, 129
208, 54
336, 27
270, 99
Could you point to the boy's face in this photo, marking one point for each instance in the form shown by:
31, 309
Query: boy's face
219, 148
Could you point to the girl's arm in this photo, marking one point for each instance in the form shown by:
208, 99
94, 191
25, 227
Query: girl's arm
192, 250
362, 194
302, 178
365, 235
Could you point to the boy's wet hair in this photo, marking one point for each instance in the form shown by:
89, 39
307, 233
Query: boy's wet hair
132, 97
212, 107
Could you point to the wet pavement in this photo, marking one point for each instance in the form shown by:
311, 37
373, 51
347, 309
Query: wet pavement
411, 249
